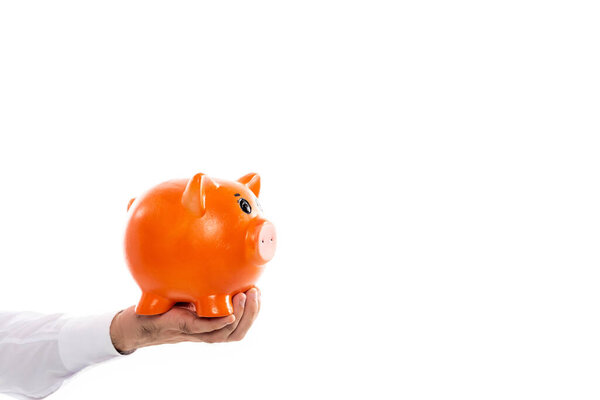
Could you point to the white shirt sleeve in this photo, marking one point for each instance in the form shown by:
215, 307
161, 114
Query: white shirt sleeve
39, 352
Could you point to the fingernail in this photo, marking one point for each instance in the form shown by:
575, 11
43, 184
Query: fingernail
242, 300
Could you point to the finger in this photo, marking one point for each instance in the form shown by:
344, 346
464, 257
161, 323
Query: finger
259, 298
250, 313
221, 335
239, 303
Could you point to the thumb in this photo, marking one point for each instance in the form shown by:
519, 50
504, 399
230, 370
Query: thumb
203, 325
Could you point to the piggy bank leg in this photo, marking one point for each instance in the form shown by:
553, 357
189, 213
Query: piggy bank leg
151, 304
217, 305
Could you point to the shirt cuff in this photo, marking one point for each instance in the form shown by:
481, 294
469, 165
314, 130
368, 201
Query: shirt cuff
84, 341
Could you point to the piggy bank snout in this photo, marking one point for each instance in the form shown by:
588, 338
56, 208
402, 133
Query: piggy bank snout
267, 241
263, 241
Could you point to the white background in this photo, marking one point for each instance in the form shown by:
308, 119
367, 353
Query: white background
432, 169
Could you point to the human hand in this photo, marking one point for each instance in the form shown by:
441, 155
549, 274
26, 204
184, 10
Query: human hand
129, 331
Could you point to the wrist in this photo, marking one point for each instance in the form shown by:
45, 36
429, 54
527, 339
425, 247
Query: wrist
122, 341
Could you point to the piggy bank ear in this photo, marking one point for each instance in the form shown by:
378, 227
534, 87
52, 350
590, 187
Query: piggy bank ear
193, 198
252, 180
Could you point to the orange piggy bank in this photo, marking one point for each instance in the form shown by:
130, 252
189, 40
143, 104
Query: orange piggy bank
201, 240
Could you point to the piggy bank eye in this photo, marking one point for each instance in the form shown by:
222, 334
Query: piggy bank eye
245, 206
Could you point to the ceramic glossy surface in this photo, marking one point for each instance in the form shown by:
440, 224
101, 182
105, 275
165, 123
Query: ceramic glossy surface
201, 240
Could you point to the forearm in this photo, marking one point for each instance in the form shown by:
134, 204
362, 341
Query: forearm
39, 352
